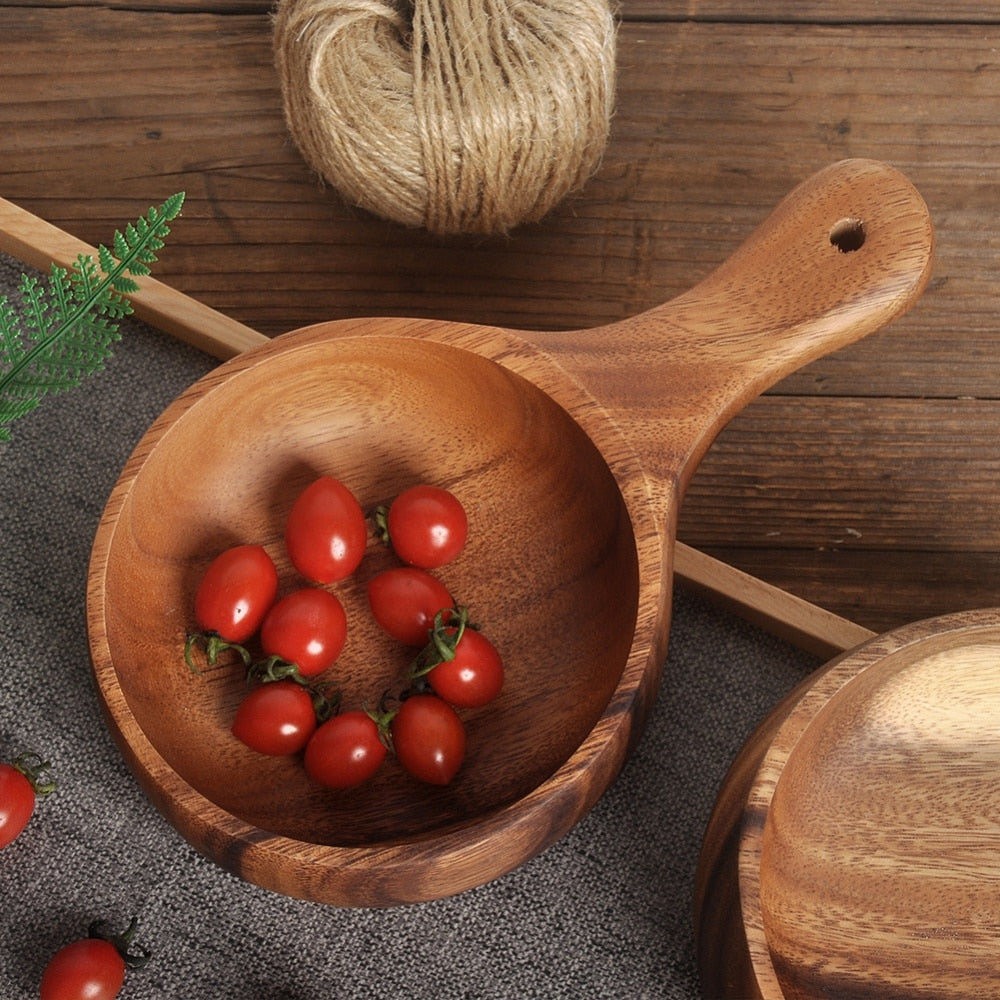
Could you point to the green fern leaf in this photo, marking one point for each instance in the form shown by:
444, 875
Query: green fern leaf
67, 326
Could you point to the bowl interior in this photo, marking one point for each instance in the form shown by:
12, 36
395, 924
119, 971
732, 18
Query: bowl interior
878, 857
549, 572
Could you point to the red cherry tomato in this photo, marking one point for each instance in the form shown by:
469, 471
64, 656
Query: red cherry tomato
88, 969
21, 783
427, 526
474, 677
345, 751
326, 533
307, 628
236, 592
404, 601
276, 718
429, 739
17, 803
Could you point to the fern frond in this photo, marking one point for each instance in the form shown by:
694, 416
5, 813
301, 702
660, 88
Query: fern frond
10, 328
67, 326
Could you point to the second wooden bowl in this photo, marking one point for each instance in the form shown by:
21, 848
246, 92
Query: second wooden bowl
855, 847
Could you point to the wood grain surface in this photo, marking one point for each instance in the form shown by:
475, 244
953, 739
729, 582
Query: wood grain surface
853, 846
862, 483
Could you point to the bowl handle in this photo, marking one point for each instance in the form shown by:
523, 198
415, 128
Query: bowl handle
846, 252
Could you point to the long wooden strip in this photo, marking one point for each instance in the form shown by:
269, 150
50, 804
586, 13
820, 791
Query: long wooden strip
39, 244
805, 625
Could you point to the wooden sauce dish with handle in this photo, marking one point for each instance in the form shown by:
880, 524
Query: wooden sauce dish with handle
571, 452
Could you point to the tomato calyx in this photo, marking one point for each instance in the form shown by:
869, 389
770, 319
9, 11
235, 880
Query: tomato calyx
33, 767
449, 627
326, 699
325, 705
213, 646
380, 519
134, 956
275, 668
382, 717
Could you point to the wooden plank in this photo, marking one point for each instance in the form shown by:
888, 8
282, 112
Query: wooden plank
731, 11
866, 474
716, 123
813, 12
882, 511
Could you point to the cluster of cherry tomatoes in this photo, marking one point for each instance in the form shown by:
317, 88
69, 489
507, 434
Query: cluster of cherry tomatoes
302, 634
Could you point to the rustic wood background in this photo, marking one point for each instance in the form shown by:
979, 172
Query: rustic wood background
864, 483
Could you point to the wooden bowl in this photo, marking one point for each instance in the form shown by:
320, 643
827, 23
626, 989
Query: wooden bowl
569, 451
855, 847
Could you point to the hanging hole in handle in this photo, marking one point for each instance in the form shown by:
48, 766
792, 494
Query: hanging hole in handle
848, 235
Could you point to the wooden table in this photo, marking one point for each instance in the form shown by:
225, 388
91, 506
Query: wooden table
864, 483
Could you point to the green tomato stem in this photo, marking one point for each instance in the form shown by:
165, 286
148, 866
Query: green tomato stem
445, 636
380, 518
213, 645
33, 767
134, 957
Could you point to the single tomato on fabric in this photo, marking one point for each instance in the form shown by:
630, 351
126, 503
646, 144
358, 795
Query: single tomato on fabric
236, 592
345, 751
88, 969
308, 628
21, 783
427, 526
473, 677
92, 968
405, 600
428, 738
326, 533
276, 719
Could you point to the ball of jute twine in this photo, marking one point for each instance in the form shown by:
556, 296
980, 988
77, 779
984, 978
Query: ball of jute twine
460, 116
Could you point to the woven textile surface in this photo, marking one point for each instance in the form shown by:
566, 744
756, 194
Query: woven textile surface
605, 912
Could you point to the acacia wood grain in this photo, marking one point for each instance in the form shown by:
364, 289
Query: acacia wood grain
852, 852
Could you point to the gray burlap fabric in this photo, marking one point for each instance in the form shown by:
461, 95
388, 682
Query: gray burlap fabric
606, 912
